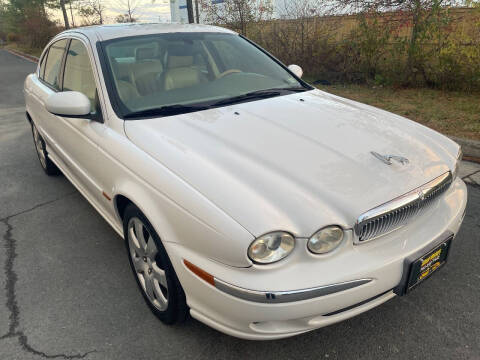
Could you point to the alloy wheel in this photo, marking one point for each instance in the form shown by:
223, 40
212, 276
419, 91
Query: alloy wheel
143, 252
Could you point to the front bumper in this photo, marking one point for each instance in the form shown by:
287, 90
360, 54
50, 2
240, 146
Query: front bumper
381, 261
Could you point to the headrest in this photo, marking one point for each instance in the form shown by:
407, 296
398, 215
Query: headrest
121, 70
179, 61
180, 49
144, 53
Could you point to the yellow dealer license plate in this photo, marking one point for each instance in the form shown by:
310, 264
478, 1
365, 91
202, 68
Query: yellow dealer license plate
428, 264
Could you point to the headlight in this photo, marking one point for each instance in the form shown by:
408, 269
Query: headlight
457, 164
325, 240
271, 247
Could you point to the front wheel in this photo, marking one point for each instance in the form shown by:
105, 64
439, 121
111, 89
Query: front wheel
152, 268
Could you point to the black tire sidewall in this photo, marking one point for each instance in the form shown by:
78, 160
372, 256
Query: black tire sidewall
177, 309
50, 168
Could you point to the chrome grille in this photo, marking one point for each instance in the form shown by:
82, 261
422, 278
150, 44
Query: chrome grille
396, 213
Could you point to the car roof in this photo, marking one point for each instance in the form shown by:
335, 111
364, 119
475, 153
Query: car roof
108, 32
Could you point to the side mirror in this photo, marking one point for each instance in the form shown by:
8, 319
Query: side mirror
68, 104
297, 70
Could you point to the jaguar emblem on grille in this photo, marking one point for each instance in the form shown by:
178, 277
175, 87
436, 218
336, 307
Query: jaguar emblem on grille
387, 159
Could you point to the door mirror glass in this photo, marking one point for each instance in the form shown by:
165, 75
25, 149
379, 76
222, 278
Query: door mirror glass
68, 104
297, 70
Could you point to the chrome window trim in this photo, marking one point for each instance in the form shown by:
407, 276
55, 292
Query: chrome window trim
278, 297
415, 198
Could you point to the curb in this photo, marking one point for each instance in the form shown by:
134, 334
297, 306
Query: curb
23, 55
470, 148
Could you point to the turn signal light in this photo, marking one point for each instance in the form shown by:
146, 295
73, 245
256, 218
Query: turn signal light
202, 274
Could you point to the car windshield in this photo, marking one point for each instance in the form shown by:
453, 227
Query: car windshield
165, 74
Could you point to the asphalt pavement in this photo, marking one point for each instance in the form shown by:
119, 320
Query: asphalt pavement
66, 289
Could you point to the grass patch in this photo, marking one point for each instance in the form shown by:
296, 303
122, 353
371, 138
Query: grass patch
24, 49
451, 113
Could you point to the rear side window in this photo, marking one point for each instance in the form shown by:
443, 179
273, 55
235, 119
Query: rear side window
53, 63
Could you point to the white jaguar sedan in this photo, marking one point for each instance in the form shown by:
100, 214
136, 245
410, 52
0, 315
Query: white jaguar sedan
261, 206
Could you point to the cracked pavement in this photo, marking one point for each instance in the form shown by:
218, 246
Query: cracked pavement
66, 289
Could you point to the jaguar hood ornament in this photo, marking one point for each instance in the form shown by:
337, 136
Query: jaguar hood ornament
387, 159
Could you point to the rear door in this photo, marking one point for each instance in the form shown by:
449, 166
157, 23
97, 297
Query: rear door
39, 87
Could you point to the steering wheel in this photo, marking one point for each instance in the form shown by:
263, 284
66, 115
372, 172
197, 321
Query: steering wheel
228, 72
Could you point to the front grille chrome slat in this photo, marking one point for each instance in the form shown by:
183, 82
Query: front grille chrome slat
397, 213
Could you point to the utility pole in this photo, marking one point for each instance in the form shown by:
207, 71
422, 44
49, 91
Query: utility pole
191, 20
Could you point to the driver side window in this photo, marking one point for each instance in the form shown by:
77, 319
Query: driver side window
78, 74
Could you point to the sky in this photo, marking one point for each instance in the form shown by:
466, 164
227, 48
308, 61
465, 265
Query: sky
146, 10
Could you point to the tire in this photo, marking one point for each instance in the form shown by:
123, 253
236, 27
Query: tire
152, 268
47, 165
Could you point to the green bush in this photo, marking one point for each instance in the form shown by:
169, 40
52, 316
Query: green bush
379, 48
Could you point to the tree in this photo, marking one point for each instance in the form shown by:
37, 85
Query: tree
71, 13
237, 13
125, 18
424, 20
27, 22
60, 5
92, 11
302, 36
128, 8
64, 13
3, 10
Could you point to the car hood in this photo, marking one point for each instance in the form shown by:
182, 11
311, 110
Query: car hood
296, 162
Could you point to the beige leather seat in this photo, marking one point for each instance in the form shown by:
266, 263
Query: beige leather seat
181, 72
126, 90
124, 80
146, 70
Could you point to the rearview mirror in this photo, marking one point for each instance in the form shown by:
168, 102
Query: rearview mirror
68, 104
297, 70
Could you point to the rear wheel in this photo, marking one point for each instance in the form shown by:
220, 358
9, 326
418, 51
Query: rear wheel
152, 268
47, 165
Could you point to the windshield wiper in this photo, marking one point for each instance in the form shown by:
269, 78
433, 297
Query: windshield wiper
167, 110
259, 94
292, 89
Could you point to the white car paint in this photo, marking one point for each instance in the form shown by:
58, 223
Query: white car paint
314, 148
78, 103
210, 182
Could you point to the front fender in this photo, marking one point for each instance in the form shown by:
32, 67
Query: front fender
226, 242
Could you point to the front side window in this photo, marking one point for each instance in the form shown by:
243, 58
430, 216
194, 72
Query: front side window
78, 74
53, 64
183, 71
